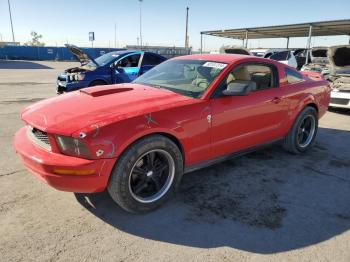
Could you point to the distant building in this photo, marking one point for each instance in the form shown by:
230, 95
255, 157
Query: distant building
167, 51
2, 43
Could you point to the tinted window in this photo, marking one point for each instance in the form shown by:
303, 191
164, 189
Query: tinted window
149, 59
293, 76
281, 56
129, 61
267, 55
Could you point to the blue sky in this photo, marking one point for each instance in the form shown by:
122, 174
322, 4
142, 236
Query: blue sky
61, 21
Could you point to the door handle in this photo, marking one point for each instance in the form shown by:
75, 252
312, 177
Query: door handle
276, 100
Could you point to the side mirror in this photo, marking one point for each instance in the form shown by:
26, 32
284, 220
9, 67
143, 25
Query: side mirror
239, 88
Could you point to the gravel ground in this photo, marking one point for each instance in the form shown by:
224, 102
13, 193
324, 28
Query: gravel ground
265, 206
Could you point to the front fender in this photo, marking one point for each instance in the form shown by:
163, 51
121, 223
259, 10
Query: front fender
109, 140
101, 74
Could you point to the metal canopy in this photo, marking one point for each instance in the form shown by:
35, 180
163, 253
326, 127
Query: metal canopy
326, 28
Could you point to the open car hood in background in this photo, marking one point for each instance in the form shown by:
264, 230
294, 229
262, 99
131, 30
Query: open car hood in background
319, 55
82, 57
240, 50
339, 59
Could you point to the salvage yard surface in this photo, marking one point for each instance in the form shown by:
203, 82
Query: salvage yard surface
266, 206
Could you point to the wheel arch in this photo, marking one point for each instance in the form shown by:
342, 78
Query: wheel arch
98, 79
312, 104
308, 100
168, 135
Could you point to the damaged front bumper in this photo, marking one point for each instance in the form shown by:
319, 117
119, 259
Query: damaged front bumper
64, 86
62, 172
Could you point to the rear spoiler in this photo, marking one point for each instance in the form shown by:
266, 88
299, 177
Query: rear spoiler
312, 75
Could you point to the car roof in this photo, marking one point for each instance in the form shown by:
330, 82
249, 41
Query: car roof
223, 58
124, 52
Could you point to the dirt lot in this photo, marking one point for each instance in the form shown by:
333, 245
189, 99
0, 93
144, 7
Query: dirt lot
266, 206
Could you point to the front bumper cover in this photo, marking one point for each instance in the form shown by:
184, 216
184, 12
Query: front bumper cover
42, 164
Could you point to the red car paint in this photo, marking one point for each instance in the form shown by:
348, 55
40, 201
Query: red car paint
110, 118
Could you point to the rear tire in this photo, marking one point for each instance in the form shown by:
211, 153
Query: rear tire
146, 174
302, 135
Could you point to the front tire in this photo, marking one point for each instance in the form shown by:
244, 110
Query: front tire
146, 174
302, 135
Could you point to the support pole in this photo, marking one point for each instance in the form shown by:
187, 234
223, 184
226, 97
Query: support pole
287, 42
186, 34
308, 45
246, 38
140, 1
115, 35
201, 43
13, 35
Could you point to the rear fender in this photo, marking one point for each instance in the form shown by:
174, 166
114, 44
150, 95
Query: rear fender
308, 99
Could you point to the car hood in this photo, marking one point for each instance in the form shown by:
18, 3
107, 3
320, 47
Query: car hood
69, 113
339, 59
82, 57
319, 55
234, 50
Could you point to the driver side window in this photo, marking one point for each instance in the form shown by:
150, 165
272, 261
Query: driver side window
264, 77
129, 61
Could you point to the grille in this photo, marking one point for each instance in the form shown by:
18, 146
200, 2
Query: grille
339, 101
42, 136
39, 137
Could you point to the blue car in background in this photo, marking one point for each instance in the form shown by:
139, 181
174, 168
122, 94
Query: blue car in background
111, 68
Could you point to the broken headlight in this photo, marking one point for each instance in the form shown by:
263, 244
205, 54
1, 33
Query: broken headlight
79, 77
72, 147
76, 77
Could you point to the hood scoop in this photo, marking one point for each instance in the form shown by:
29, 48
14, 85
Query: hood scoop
102, 91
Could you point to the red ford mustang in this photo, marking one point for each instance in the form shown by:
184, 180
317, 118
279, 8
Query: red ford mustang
138, 139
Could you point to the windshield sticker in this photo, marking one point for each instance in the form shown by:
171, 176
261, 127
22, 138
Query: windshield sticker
215, 65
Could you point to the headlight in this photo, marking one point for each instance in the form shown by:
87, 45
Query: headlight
72, 147
79, 77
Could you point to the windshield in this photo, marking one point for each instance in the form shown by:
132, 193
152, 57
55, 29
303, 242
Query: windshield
187, 77
104, 59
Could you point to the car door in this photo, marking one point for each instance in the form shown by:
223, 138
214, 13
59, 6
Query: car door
241, 122
149, 60
127, 68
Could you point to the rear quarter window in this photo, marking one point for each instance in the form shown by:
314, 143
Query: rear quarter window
293, 76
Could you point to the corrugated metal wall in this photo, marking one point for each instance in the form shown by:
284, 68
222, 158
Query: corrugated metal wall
47, 52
